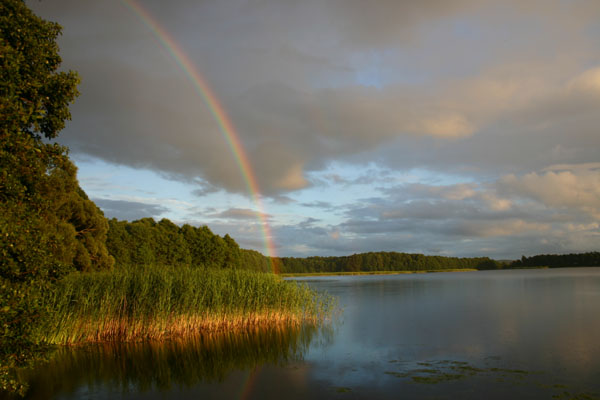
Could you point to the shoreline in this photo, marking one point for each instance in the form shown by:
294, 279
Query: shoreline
342, 273
425, 271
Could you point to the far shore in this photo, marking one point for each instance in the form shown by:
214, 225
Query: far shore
425, 271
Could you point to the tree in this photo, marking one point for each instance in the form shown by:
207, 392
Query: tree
170, 246
232, 252
91, 228
47, 224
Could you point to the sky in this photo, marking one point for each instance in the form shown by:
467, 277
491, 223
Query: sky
444, 127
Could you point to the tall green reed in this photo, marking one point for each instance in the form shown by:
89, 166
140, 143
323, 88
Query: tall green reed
157, 302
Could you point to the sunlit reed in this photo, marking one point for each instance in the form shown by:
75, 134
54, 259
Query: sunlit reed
160, 302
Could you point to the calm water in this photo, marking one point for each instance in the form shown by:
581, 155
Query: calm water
532, 334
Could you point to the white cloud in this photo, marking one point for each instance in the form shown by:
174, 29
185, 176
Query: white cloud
512, 227
588, 81
577, 189
447, 126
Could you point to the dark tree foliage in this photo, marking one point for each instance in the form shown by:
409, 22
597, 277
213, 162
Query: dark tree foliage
146, 241
47, 224
382, 261
591, 259
392, 261
255, 260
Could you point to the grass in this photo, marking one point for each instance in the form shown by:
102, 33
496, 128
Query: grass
159, 302
299, 274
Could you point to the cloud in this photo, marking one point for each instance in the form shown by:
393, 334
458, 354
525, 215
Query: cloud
240, 213
579, 189
308, 222
547, 211
513, 227
129, 210
370, 93
588, 81
205, 189
446, 126
503, 218
363, 83
318, 204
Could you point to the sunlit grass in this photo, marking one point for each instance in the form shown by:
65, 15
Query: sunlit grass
160, 302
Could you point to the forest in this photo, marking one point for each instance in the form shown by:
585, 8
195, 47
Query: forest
382, 261
590, 259
147, 242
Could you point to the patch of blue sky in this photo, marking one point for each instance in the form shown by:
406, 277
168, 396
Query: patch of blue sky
341, 187
374, 68
385, 71
358, 177
369, 70
436, 178
335, 189
101, 179
104, 180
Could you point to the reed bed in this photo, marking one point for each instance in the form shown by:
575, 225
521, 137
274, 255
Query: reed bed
156, 302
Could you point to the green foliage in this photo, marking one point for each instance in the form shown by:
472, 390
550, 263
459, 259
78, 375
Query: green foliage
146, 242
392, 261
47, 224
255, 261
35, 97
91, 228
382, 261
591, 259
161, 301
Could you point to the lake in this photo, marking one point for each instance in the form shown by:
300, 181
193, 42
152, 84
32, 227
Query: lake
530, 334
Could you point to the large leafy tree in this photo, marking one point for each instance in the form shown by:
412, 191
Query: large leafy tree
47, 224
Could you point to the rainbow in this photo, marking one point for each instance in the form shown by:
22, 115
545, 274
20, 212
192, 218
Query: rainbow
217, 111
248, 383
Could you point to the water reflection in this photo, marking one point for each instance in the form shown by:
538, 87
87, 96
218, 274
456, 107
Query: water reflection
540, 321
494, 335
161, 366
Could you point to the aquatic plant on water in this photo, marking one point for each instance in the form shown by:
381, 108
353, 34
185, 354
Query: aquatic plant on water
159, 302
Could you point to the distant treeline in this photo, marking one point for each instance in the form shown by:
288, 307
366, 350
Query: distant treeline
147, 242
382, 261
591, 259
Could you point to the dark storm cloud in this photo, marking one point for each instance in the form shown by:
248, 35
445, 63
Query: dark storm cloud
341, 89
129, 210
